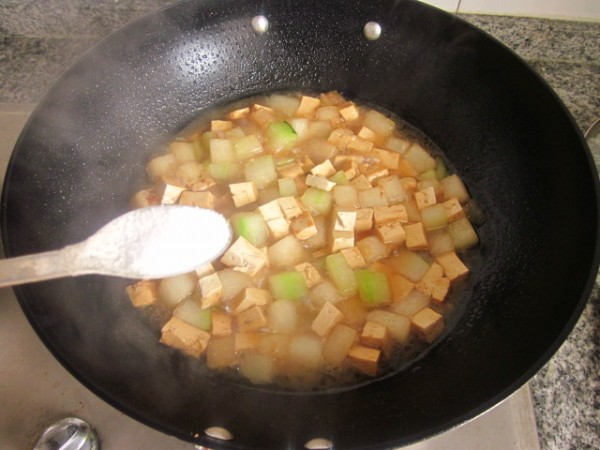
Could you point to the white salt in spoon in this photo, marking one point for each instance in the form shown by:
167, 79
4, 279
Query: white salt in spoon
153, 242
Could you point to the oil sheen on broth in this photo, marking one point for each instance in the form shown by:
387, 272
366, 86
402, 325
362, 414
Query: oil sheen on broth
350, 242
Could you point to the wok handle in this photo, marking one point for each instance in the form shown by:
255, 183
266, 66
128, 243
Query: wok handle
35, 267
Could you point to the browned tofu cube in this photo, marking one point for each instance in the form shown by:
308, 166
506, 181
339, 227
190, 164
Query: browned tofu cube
278, 228
307, 106
340, 138
270, 210
171, 194
290, 207
205, 269
343, 219
328, 317
453, 209
143, 293
319, 182
180, 335
253, 297
238, 113
360, 145
453, 267
243, 193
365, 359
349, 112
425, 197
391, 232
364, 219
388, 159
220, 125
361, 183
350, 169
383, 214
429, 323
415, 236
341, 240
252, 319
310, 273
353, 257
201, 199
374, 172
210, 290
202, 183
245, 257
303, 226
435, 283
367, 134
325, 169
374, 335
221, 324
291, 170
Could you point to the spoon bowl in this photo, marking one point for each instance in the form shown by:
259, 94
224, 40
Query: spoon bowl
152, 242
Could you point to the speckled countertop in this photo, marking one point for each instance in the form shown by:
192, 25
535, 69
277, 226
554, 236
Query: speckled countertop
40, 38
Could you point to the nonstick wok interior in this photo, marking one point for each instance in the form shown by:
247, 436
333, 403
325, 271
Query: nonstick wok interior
82, 155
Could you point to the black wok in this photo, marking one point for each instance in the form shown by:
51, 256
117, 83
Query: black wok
82, 155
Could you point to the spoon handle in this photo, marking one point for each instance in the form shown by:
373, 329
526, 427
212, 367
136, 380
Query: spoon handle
31, 268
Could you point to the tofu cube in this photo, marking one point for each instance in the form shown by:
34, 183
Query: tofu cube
453, 209
329, 316
383, 214
374, 172
360, 145
374, 335
201, 199
425, 197
221, 324
252, 319
341, 240
310, 273
143, 293
180, 335
325, 169
367, 134
391, 232
361, 183
453, 267
243, 193
429, 323
253, 297
210, 288
278, 228
393, 189
388, 159
435, 283
415, 236
202, 183
291, 170
307, 106
349, 112
350, 169
205, 269
245, 257
171, 194
319, 182
365, 359
364, 219
303, 226
340, 138
220, 125
344, 220
353, 257
290, 207
270, 210
238, 113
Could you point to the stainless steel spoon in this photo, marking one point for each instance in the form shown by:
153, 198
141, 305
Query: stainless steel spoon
153, 242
